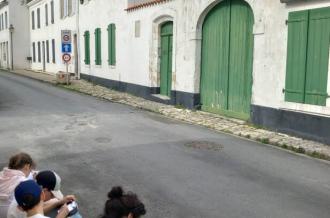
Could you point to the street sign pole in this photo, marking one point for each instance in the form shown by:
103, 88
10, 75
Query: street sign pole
67, 73
66, 50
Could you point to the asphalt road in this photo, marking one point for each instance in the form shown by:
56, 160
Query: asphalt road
94, 145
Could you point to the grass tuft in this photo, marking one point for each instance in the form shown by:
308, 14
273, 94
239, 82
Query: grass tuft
179, 106
263, 140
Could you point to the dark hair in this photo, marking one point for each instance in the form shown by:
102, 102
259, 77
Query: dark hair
122, 204
18, 161
32, 202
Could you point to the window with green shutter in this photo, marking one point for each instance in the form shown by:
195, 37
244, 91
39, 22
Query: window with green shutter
98, 53
296, 56
112, 44
87, 48
308, 56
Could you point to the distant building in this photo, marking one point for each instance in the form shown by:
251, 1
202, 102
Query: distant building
266, 61
14, 25
47, 19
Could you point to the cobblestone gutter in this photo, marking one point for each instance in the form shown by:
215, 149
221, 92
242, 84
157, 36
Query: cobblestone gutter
212, 121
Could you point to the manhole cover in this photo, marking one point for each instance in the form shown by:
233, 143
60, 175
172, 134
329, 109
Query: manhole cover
103, 140
207, 145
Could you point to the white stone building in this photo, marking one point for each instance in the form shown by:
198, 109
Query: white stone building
47, 19
262, 60
14, 37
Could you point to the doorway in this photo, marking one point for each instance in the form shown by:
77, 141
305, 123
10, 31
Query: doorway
166, 51
227, 58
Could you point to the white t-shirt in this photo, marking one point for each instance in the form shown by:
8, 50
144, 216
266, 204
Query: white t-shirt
14, 212
38, 216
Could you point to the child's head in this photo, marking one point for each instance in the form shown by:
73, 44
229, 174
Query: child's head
50, 183
123, 205
22, 162
28, 195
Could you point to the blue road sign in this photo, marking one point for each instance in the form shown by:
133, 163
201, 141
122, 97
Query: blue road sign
66, 48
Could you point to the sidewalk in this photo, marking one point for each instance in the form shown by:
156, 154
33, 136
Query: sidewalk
212, 121
42, 76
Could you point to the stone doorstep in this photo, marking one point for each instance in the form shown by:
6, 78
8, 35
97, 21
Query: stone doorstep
213, 121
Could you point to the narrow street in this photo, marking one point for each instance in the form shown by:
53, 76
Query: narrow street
94, 145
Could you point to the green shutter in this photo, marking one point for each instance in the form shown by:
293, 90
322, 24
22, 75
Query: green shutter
98, 53
87, 47
296, 56
112, 44
308, 56
317, 57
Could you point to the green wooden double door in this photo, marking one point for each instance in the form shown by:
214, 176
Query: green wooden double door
227, 58
166, 35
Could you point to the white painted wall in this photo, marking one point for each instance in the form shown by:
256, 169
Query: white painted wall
132, 53
4, 42
52, 31
137, 58
18, 17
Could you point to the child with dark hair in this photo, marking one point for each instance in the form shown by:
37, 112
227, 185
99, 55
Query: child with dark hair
123, 205
19, 168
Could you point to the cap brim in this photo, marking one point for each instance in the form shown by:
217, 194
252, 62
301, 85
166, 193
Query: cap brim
58, 194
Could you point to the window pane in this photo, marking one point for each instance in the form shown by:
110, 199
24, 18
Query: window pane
33, 25
39, 52
38, 18
34, 52
6, 20
46, 14
47, 51
52, 11
53, 49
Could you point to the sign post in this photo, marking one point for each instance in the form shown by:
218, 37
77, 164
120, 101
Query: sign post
66, 37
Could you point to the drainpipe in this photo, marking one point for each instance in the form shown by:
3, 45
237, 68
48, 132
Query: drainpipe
78, 39
11, 30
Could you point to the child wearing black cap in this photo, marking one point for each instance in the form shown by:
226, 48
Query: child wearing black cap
50, 183
30, 198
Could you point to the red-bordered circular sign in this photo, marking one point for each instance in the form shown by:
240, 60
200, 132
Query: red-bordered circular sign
66, 38
66, 58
